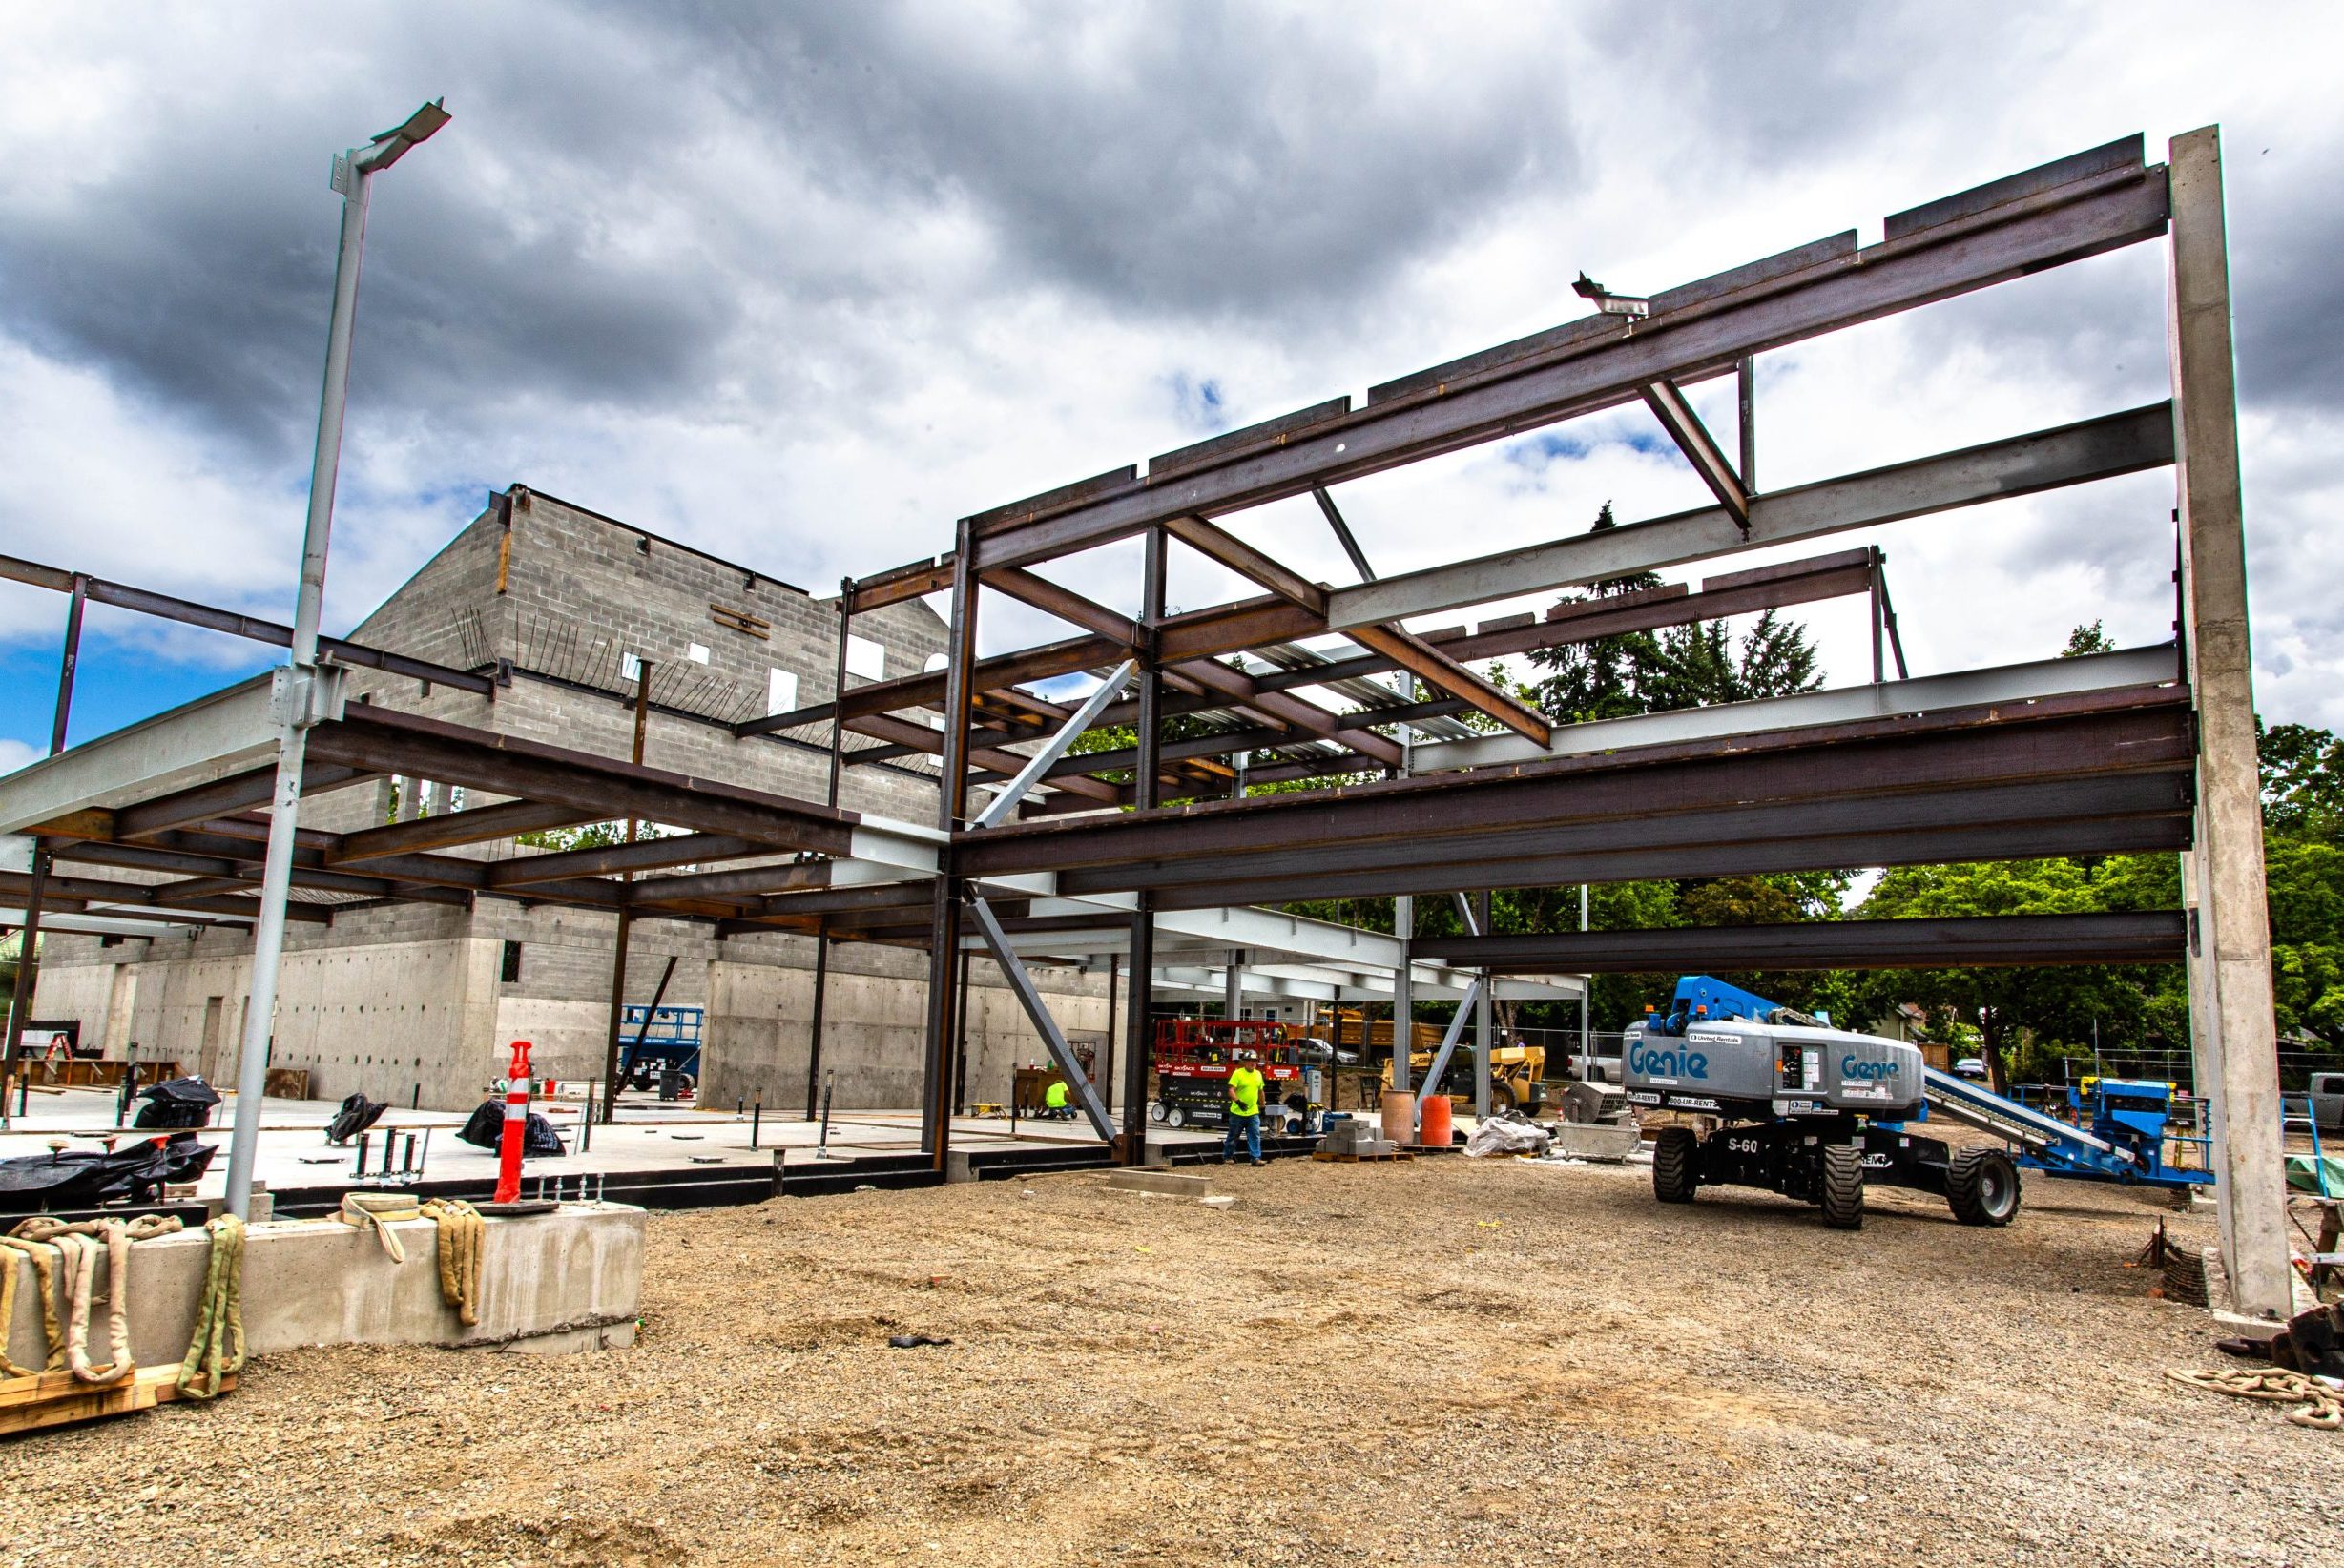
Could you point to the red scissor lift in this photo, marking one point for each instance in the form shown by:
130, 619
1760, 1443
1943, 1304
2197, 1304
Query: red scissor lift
1195, 1057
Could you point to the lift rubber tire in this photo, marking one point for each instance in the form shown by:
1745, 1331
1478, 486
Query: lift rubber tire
1155, 1110
1676, 1174
1176, 1116
1982, 1187
1500, 1099
1843, 1186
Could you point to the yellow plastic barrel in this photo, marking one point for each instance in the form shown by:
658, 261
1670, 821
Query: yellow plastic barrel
1400, 1116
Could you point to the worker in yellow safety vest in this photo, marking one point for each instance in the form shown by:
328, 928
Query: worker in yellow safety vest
1054, 1101
1244, 1109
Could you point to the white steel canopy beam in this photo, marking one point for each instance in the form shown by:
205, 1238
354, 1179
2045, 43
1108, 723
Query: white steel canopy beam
2012, 683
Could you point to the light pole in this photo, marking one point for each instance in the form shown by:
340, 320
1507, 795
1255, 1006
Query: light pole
304, 693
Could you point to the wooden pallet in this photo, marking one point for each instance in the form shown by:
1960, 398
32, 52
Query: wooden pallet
55, 1399
1359, 1159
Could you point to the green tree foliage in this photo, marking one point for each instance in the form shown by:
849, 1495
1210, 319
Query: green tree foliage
2087, 639
2303, 780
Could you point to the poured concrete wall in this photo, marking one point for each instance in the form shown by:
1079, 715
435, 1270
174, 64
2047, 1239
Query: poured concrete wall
875, 1021
569, 1280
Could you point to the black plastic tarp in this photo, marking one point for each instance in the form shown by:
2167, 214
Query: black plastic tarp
486, 1129
358, 1113
176, 1102
85, 1178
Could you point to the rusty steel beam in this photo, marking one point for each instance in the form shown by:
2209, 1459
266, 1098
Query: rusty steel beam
2077, 207
382, 741
2140, 731
474, 825
1970, 942
1837, 851
642, 854
1667, 402
914, 581
15, 886
1690, 829
1437, 668
189, 612
222, 798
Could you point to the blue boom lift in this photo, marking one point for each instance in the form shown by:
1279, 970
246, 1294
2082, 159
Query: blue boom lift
1815, 1112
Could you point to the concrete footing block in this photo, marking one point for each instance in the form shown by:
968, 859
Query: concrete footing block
569, 1280
1595, 1141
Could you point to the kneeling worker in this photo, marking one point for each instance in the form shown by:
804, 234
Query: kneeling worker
1244, 1109
1054, 1101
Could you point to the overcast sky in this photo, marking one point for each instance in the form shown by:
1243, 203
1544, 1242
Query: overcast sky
802, 284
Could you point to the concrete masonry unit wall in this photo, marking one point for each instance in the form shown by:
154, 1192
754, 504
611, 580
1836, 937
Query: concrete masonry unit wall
409, 1005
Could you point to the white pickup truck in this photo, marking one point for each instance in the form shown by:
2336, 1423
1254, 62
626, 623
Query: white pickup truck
2328, 1102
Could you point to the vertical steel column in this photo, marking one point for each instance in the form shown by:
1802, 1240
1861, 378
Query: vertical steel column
1106, 1073
951, 807
1586, 1002
626, 916
2230, 931
1879, 624
1482, 1030
1403, 992
1746, 384
1138, 1047
959, 1045
29, 952
813, 1049
821, 932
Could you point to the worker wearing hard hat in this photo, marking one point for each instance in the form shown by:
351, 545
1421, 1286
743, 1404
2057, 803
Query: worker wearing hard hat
1244, 1109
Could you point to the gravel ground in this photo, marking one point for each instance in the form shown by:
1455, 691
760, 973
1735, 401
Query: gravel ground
1445, 1361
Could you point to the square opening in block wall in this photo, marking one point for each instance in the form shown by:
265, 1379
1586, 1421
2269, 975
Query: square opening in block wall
510, 971
866, 658
780, 692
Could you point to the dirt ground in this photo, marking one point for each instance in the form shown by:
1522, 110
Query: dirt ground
1445, 1361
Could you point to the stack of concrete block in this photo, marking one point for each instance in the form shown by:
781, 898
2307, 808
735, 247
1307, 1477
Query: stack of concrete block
1355, 1139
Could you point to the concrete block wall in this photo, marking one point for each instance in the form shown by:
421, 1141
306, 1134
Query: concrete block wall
410, 999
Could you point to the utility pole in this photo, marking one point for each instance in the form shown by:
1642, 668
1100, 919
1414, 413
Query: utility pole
304, 693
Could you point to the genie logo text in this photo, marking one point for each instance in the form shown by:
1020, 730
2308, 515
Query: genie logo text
1654, 1063
1874, 1071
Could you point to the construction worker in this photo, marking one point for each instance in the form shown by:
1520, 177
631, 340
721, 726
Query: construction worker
1244, 1109
1054, 1101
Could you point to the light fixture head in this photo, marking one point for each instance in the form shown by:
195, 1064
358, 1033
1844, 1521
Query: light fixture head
389, 147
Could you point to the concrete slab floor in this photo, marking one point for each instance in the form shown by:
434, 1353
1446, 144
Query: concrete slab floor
649, 1135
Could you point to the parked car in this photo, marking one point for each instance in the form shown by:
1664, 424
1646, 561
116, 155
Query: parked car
1602, 1066
1971, 1066
2328, 1102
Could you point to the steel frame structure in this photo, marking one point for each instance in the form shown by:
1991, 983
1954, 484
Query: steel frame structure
1463, 789
2149, 749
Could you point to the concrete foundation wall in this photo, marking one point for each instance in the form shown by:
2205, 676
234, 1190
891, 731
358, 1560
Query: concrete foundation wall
568, 1280
874, 1027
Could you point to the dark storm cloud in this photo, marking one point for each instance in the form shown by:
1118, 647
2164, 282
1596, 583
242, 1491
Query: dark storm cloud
1214, 161
203, 280
1205, 156
2286, 279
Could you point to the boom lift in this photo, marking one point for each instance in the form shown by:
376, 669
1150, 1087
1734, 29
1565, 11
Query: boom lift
1814, 1113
